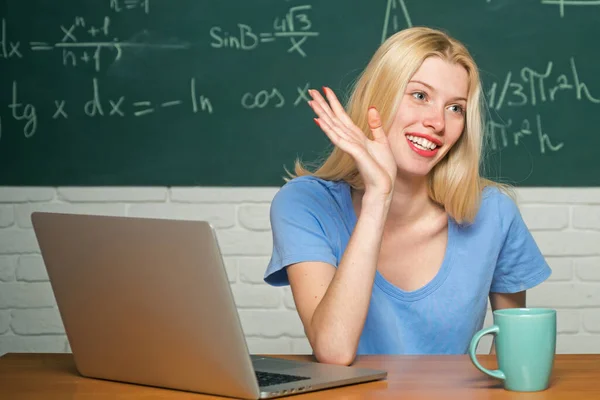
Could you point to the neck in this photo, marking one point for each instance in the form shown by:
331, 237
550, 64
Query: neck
410, 202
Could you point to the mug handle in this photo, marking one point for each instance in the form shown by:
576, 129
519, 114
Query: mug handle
473, 347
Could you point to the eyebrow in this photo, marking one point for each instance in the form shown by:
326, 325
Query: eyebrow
433, 89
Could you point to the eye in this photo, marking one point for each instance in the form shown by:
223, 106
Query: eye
419, 96
457, 109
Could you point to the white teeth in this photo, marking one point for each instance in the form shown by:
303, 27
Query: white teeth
422, 142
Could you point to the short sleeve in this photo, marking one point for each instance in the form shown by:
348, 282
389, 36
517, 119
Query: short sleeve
300, 216
520, 264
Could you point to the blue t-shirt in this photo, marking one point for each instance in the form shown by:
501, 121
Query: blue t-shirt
312, 220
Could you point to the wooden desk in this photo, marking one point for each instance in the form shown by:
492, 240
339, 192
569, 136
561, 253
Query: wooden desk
53, 377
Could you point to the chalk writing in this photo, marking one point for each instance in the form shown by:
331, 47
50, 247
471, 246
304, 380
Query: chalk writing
532, 87
121, 5
262, 99
60, 109
562, 3
90, 41
502, 135
302, 94
295, 25
391, 16
204, 102
8, 49
273, 97
75, 52
28, 113
98, 106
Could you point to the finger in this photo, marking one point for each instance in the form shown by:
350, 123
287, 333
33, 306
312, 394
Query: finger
357, 151
320, 100
363, 160
374, 120
333, 132
338, 140
333, 123
341, 114
319, 110
337, 107
338, 119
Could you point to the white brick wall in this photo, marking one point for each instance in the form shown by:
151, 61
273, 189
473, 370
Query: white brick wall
565, 222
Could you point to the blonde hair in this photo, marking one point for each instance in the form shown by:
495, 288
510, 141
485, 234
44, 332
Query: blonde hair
455, 182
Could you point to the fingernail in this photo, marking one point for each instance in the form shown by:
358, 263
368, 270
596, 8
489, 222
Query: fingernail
325, 89
372, 107
309, 103
317, 122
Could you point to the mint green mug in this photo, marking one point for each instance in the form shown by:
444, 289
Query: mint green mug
525, 340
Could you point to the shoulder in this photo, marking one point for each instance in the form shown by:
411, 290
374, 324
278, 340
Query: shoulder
497, 206
306, 223
312, 185
309, 192
493, 196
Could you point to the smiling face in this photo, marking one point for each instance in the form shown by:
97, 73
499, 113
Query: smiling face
430, 117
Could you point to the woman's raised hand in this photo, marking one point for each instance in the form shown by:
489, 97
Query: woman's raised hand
373, 157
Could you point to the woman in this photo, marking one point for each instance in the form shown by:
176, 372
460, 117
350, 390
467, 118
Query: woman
393, 245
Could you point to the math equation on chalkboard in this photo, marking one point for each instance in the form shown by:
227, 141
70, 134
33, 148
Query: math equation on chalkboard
90, 43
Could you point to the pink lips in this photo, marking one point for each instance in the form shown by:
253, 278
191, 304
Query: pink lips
421, 152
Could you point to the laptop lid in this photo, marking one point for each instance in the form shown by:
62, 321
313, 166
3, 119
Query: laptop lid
146, 301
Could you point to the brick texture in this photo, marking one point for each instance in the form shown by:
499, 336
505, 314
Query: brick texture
565, 223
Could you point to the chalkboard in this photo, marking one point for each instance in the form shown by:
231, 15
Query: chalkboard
213, 92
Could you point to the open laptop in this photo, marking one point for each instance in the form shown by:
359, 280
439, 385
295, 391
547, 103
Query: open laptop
147, 301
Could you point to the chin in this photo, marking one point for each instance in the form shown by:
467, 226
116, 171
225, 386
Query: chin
414, 171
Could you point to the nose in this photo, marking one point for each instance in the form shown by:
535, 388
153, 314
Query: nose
434, 119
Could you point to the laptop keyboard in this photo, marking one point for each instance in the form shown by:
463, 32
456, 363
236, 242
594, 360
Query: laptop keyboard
271, 378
